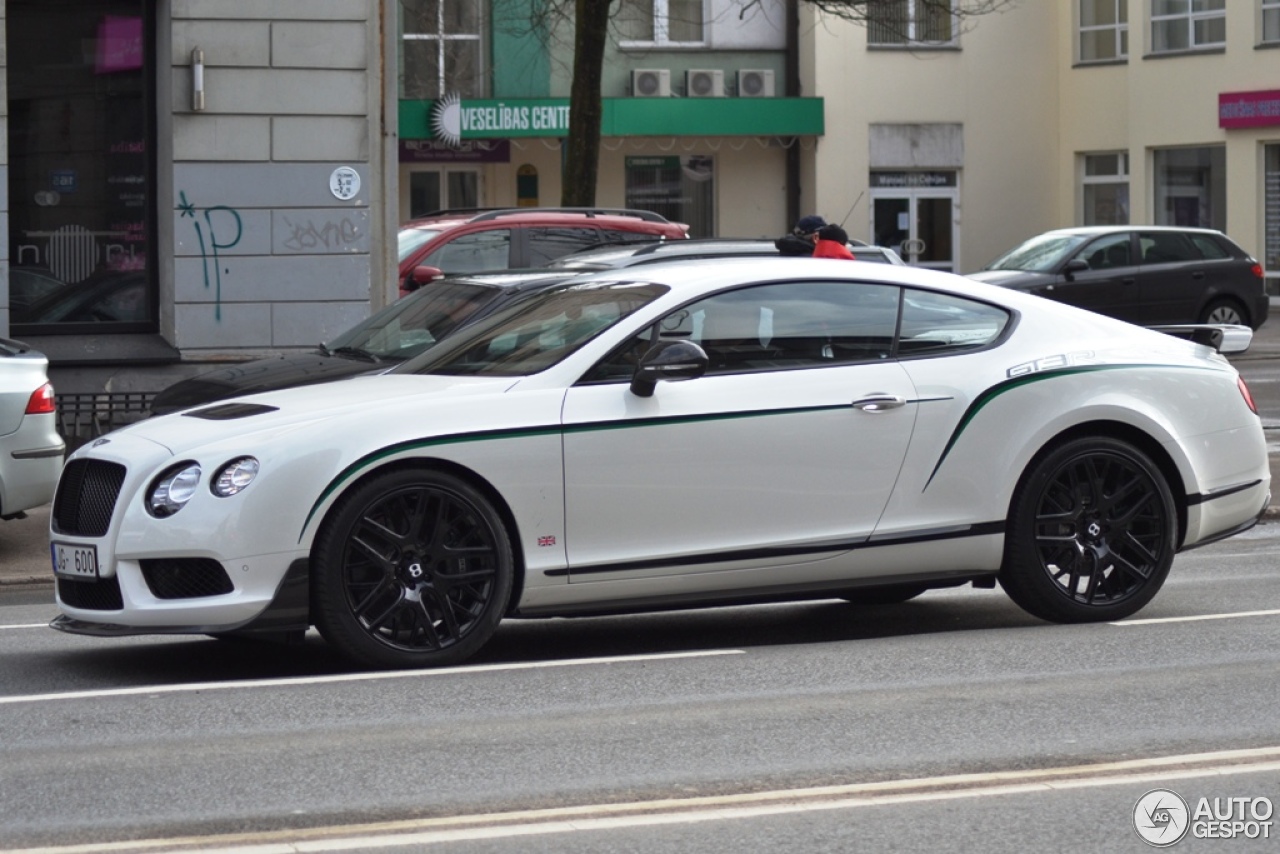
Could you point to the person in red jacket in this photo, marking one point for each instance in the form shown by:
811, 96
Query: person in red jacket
833, 242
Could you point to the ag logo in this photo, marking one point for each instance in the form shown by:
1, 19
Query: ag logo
1161, 818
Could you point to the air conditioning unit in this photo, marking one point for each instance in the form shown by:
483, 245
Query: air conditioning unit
704, 83
651, 82
755, 83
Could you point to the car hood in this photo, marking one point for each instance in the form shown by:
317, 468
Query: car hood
1016, 279
365, 400
258, 376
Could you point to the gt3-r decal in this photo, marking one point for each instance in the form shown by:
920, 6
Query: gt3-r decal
1050, 363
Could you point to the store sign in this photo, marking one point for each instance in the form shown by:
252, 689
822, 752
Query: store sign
902, 180
469, 151
530, 118
1249, 109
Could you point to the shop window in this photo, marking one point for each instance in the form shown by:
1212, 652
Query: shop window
1191, 187
442, 50
910, 22
659, 22
81, 177
1104, 30
680, 188
1271, 217
1105, 186
1178, 25
1270, 22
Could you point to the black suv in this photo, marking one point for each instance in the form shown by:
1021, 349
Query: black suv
1149, 275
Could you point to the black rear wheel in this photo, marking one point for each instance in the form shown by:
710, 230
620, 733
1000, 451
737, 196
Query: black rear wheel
1092, 533
413, 569
1224, 311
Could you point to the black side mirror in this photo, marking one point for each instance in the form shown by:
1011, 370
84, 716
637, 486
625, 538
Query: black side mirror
668, 360
1075, 265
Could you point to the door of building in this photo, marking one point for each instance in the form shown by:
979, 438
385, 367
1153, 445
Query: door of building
917, 215
436, 189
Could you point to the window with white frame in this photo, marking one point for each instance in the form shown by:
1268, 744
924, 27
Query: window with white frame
1105, 184
1270, 22
1191, 186
1104, 30
911, 22
442, 49
1187, 24
663, 22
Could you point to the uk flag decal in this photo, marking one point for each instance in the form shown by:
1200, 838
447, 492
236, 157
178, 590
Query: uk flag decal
546, 541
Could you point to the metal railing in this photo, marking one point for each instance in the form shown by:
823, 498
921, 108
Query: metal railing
84, 417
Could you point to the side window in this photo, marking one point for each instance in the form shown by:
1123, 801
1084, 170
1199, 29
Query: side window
936, 324
470, 253
774, 327
1165, 247
1211, 249
548, 244
1107, 252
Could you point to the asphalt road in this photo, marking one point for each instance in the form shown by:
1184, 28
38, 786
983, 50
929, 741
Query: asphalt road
694, 715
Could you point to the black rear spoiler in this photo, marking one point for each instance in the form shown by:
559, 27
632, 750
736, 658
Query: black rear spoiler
1226, 338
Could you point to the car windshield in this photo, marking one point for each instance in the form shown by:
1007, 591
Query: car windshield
1039, 254
408, 326
534, 332
412, 238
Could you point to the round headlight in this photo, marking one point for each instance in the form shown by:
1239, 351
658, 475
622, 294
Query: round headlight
235, 476
173, 489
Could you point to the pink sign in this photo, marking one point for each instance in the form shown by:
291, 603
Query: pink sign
1249, 109
119, 44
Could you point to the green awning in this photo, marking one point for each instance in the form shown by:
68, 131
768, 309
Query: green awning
549, 117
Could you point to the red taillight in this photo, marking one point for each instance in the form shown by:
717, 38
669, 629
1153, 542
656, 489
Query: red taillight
41, 400
1257, 270
1244, 392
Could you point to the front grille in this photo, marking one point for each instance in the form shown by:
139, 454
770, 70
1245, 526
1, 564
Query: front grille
185, 578
100, 595
86, 497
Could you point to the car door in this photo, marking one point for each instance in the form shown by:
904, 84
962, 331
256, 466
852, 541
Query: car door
785, 452
1171, 278
1101, 276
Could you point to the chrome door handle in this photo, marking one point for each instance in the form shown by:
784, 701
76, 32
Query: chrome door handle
879, 402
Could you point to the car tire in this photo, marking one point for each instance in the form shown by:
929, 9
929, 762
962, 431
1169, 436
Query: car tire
413, 568
1224, 311
890, 594
1092, 533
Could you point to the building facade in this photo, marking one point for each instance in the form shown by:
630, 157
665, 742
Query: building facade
198, 181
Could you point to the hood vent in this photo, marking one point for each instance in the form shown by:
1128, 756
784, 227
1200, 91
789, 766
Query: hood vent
230, 411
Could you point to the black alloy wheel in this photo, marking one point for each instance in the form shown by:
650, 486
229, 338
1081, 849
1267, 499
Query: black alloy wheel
413, 569
1092, 533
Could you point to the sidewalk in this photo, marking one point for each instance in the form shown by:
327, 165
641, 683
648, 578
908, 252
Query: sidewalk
24, 543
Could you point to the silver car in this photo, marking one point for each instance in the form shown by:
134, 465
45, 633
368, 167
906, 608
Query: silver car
31, 450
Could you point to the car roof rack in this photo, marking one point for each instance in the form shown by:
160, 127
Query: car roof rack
647, 216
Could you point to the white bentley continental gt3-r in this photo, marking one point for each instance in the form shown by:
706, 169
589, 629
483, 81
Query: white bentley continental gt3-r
677, 435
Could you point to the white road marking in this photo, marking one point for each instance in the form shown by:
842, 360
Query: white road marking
1198, 617
431, 831
187, 687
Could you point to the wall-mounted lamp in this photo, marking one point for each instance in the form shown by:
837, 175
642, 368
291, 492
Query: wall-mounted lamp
197, 79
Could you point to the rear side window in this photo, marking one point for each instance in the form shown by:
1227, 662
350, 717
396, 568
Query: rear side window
1210, 248
1165, 247
934, 324
470, 253
549, 243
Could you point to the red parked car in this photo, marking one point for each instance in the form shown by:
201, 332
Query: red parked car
467, 241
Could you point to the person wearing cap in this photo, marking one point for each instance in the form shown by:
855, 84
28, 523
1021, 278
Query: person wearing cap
801, 240
833, 242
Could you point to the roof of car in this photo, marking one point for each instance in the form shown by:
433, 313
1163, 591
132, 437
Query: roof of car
1114, 229
458, 216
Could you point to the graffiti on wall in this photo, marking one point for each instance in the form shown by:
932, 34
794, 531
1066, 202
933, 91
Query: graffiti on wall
218, 227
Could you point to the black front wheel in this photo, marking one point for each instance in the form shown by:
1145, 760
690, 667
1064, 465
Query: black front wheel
1092, 533
413, 568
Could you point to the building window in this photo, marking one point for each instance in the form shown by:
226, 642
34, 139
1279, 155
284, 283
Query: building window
1106, 189
1187, 24
1191, 187
674, 22
81, 176
442, 51
1271, 219
1104, 30
1271, 21
910, 22
680, 188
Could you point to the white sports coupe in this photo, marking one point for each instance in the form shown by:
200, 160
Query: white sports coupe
677, 435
